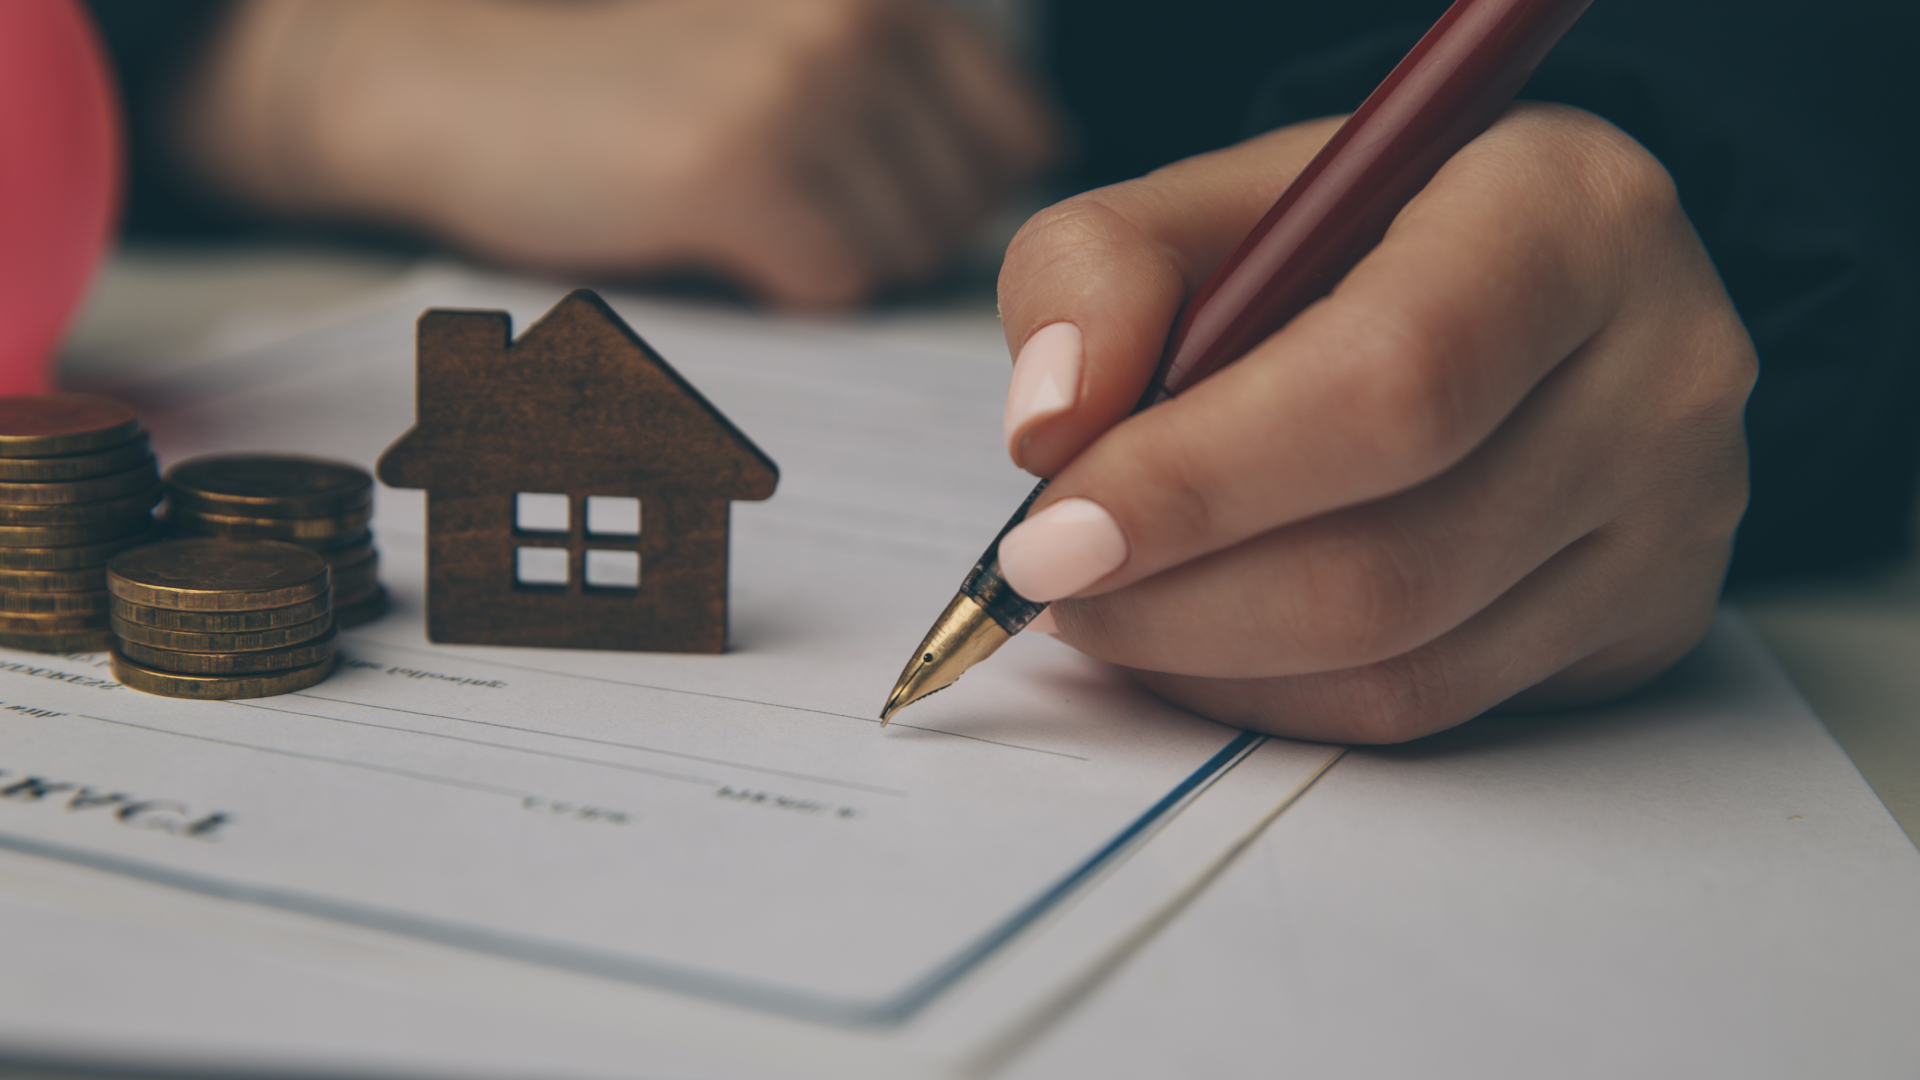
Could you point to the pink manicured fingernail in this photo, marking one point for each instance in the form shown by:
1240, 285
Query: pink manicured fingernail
1046, 379
1062, 549
1043, 623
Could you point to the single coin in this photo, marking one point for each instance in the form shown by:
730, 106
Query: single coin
217, 687
240, 663
81, 513
355, 573
244, 641
217, 575
360, 551
270, 486
50, 425
359, 601
187, 521
93, 579
343, 542
223, 622
98, 532
355, 590
69, 641
361, 612
325, 546
51, 622
54, 603
126, 482
131, 454
76, 556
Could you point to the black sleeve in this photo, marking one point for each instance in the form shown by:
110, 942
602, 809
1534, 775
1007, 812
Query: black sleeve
1788, 130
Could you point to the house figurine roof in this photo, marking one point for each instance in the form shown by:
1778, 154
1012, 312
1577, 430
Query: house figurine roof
579, 401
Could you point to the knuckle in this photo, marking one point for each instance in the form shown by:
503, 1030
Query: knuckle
1624, 176
1081, 229
1085, 248
1416, 418
1395, 700
1721, 372
1704, 417
1619, 182
1361, 597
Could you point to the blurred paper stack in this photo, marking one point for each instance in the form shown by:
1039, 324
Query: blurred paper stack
77, 486
220, 619
324, 506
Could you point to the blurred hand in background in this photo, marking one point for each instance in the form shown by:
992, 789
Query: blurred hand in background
814, 151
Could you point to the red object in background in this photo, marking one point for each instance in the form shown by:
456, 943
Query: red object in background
59, 179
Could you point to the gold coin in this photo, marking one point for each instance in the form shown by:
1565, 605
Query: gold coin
132, 454
359, 598
51, 603
362, 612
80, 513
96, 532
93, 579
127, 482
344, 542
76, 556
222, 622
51, 622
270, 486
217, 575
244, 641
348, 579
341, 558
359, 540
68, 641
318, 650
217, 687
355, 591
51, 425
190, 522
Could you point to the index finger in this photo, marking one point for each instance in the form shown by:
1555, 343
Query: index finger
1495, 273
1116, 264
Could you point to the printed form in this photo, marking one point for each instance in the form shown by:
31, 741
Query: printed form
733, 830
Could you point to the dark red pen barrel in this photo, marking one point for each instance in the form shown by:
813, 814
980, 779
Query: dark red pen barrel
1449, 89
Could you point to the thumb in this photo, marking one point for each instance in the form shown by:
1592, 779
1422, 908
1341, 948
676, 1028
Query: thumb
1090, 286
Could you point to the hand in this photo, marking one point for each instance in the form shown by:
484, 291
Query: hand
814, 150
1502, 462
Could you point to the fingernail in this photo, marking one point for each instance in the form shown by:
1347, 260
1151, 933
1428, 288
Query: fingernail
1043, 623
1062, 549
1046, 380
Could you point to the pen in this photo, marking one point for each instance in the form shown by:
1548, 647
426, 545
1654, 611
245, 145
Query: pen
1454, 83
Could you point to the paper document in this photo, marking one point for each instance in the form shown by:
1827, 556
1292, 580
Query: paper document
736, 829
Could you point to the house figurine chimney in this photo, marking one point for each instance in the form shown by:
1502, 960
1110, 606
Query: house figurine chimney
578, 488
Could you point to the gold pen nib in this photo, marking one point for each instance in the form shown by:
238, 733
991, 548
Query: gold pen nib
963, 636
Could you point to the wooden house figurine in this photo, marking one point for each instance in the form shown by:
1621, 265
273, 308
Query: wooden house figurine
577, 486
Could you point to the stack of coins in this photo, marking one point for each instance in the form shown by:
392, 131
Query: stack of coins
321, 505
220, 619
77, 484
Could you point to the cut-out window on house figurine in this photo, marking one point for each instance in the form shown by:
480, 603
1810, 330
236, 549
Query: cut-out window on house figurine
542, 456
541, 567
612, 569
612, 515
541, 512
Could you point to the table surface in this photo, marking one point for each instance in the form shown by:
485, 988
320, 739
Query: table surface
1850, 644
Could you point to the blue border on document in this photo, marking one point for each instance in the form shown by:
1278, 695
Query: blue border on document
887, 1012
